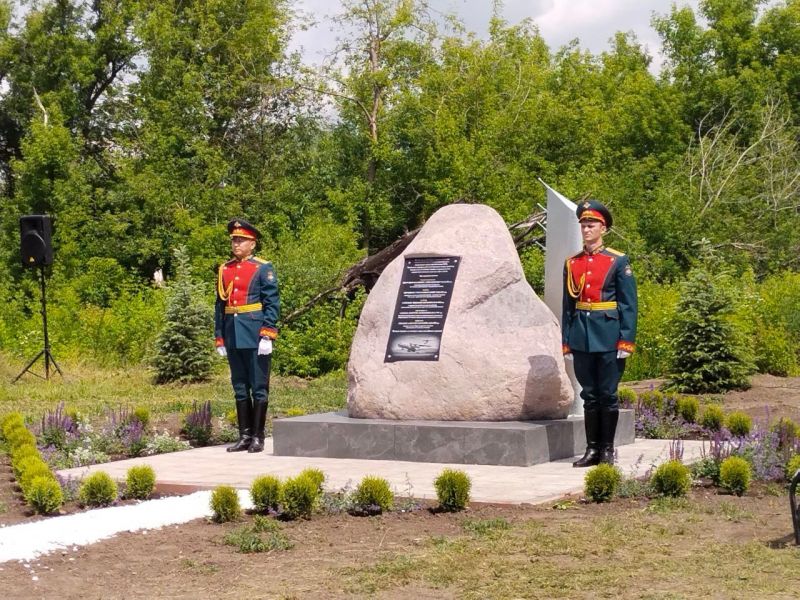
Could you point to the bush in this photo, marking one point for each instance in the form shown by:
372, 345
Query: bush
792, 466
627, 397
225, 504
265, 492
739, 423
24, 451
712, 417
197, 425
654, 400
787, 432
452, 489
671, 478
716, 359
98, 489
20, 436
142, 415
231, 418
250, 539
687, 408
31, 472
25, 461
735, 475
184, 353
775, 351
140, 482
657, 312
315, 475
707, 467
300, 496
602, 482
44, 495
373, 496
10, 422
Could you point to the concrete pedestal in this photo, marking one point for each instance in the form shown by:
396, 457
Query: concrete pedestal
511, 443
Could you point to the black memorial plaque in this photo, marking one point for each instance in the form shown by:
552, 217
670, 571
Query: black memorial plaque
421, 309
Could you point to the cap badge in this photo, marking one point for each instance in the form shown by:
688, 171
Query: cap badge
586, 205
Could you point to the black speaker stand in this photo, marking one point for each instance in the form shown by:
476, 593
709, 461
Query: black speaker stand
44, 352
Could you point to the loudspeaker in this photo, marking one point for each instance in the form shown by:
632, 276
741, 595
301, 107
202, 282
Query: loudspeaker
35, 242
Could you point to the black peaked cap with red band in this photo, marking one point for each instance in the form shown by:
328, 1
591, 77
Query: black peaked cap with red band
595, 210
241, 228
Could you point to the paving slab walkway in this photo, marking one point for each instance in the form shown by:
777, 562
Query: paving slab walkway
205, 468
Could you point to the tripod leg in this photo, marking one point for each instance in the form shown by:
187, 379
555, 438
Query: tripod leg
55, 364
28, 366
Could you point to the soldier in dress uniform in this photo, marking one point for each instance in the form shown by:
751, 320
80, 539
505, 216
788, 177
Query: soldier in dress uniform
598, 328
245, 318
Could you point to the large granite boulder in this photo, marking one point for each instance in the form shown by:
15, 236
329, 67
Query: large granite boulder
500, 355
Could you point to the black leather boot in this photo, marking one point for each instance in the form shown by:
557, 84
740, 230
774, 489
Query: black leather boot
259, 422
243, 420
592, 425
608, 429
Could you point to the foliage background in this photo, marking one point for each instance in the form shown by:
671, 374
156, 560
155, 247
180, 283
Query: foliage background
141, 125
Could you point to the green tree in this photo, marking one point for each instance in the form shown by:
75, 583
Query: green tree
708, 356
183, 349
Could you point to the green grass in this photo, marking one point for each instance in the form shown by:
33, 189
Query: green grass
634, 554
94, 391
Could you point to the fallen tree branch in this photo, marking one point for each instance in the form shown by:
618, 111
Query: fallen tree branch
366, 272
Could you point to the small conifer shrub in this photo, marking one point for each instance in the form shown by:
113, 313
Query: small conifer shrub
792, 466
19, 456
671, 478
9, 423
373, 496
712, 417
627, 397
140, 482
98, 489
32, 470
717, 360
19, 436
735, 474
300, 496
183, 352
739, 423
602, 482
265, 492
44, 495
687, 408
452, 489
316, 475
225, 504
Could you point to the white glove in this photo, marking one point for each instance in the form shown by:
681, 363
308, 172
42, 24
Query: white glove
222, 351
623, 354
265, 346
568, 356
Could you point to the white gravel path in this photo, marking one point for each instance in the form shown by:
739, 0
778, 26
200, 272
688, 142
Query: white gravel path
27, 541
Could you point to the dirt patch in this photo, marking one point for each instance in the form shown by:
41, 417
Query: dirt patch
330, 551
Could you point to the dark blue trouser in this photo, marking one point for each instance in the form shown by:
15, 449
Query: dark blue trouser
249, 375
599, 374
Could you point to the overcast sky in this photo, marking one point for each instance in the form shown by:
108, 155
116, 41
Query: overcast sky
592, 22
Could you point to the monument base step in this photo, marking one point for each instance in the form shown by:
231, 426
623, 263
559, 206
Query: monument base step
511, 443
